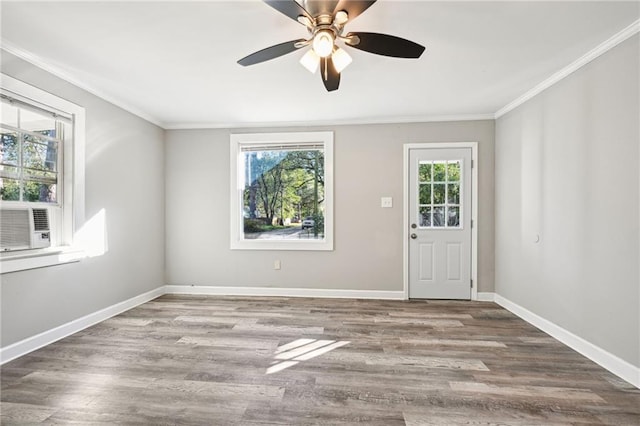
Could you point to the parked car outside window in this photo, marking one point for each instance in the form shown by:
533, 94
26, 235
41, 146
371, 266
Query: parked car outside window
308, 222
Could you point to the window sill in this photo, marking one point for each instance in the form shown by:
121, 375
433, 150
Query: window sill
32, 259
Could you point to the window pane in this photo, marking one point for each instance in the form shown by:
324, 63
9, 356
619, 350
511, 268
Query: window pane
454, 193
425, 216
9, 114
453, 170
38, 191
39, 123
283, 195
39, 153
425, 173
438, 216
439, 172
9, 189
9, 148
453, 216
438, 193
425, 193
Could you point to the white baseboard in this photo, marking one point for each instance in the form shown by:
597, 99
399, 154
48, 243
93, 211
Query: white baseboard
284, 292
30, 344
486, 297
615, 365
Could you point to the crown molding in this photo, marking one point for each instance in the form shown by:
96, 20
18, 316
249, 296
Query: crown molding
58, 72
602, 48
378, 120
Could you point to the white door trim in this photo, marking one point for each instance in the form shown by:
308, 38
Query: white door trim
474, 207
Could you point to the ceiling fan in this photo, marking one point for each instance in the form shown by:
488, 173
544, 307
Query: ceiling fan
325, 20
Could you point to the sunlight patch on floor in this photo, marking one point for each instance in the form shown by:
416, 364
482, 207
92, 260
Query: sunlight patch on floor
292, 353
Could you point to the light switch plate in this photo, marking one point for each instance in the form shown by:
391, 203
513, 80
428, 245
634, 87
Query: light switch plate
386, 202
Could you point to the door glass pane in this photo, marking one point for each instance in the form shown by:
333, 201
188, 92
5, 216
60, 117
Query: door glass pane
438, 216
439, 173
425, 216
425, 193
438, 193
453, 171
453, 193
453, 216
425, 172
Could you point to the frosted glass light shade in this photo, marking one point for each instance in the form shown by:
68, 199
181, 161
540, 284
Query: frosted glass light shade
341, 18
323, 43
341, 59
310, 61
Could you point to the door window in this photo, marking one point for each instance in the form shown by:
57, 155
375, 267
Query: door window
439, 194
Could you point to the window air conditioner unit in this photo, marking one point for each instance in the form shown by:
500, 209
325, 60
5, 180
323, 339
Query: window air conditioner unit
24, 228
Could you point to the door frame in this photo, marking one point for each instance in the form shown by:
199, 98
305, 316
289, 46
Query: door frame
474, 209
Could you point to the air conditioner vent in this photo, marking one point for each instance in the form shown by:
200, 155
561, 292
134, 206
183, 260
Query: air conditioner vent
40, 220
14, 229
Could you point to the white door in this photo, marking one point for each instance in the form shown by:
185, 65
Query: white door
440, 223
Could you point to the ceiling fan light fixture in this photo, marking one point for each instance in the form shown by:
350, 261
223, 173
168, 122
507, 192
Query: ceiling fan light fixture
341, 59
325, 24
341, 18
310, 61
323, 43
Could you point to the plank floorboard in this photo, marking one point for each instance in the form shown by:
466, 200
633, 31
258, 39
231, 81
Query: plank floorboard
202, 360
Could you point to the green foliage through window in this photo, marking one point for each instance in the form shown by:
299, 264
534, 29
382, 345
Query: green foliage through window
282, 189
439, 194
29, 145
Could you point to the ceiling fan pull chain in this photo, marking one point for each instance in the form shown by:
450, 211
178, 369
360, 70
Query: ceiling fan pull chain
326, 75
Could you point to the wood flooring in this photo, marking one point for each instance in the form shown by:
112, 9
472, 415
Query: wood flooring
257, 361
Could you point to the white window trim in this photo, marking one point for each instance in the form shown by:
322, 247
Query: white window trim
237, 240
73, 181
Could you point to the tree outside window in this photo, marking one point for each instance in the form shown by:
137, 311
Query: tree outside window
283, 197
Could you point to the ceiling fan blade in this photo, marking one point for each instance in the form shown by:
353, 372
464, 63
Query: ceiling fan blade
353, 7
270, 52
330, 77
385, 45
289, 8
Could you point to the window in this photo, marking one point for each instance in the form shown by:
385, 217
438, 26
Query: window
282, 191
30, 152
41, 164
439, 196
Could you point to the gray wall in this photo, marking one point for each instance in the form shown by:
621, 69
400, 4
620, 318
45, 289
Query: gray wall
368, 239
125, 177
567, 166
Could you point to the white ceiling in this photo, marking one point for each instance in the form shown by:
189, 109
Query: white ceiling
174, 63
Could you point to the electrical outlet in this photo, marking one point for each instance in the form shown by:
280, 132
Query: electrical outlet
276, 265
386, 202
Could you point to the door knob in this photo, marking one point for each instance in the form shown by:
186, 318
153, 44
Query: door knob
414, 236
